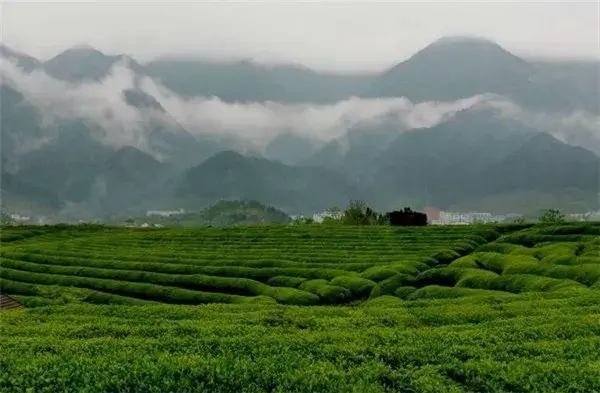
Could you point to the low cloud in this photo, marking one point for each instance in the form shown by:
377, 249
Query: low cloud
115, 122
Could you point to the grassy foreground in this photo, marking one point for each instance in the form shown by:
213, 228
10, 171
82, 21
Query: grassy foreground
534, 343
315, 309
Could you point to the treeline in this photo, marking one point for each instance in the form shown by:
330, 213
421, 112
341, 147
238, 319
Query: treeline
359, 213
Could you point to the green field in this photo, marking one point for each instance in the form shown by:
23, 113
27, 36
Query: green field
301, 309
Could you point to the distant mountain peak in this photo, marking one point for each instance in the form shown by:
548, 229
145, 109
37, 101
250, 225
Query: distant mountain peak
463, 39
459, 67
84, 62
7, 51
227, 155
79, 52
468, 47
28, 63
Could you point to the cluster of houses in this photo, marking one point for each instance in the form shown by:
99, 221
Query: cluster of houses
164, 213
440, 217
21, 219
590, 216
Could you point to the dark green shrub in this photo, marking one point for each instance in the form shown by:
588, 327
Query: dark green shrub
36, 301
518, 283
449, 276
464, 248
359, 287
384, 301
260, 300
439, 292
286, 281
404, 292
10, 287
378, 273
329, 294
445, 256
468, 261
586, 274
292, 296
504, 248
375, 292
106, 298
389, 285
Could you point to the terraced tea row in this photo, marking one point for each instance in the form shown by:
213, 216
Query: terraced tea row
290, 265
302, 265
543, 259
523, 312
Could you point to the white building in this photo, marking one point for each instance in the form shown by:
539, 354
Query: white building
453, 218
165, 213
320, 217
19, 218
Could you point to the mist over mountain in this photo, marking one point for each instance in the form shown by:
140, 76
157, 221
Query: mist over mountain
458, 124
247, 81
479, 154
457, 67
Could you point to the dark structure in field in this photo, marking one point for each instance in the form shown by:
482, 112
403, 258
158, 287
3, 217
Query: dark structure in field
406, 217
6, 302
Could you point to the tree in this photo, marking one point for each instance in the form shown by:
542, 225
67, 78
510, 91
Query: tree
334, 210
302, 220
407, 217
331, 220
356, 213
5, 219
551, 216
519, 220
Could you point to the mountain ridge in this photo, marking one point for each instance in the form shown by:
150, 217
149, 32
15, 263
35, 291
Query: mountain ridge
295, 164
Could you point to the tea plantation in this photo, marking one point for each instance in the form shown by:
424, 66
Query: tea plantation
301, 309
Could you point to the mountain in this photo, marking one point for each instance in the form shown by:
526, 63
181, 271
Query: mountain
66, 165
360, 145
26, 62
84, 64
20, 128
127, 180
230, 175
449, 69
290, 149
137, 98
125, 151
164, 137
578, 80
89, 181
459, 67
475, 155
20, 195
248, 81
228, 213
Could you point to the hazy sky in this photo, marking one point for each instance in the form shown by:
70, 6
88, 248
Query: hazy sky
327, 34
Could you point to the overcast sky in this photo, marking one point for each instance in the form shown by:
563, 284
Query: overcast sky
332, 35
